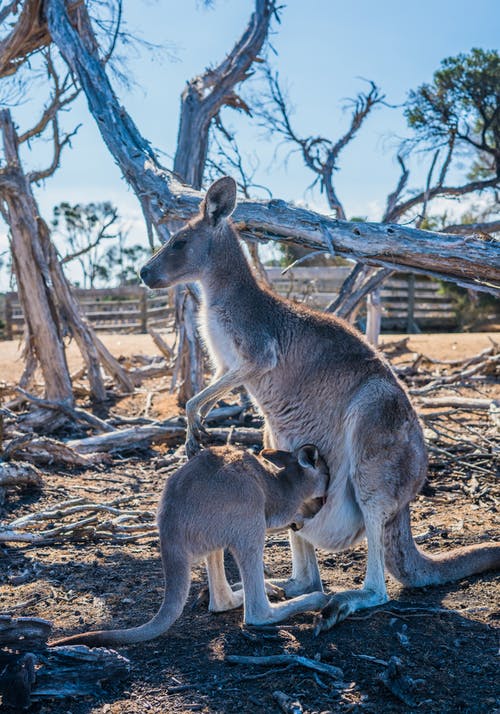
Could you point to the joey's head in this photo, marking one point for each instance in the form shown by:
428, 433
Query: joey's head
304, 466
187, 254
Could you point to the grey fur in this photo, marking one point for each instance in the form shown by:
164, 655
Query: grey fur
315, 379
226, 498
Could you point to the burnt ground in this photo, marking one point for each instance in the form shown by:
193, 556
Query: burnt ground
445, 637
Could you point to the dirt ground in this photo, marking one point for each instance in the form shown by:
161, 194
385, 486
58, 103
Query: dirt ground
445, 637
440, 346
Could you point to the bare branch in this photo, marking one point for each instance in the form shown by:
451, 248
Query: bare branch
319, 154
230, 158
374, 278
30, 33
363, 104
469, 262
471, 187
100, 236
425, 202
392, 198
464, 229
206, 94
59, 100
59, 144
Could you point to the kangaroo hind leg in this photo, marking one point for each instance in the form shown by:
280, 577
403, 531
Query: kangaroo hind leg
222, 596
373, 592
258, 609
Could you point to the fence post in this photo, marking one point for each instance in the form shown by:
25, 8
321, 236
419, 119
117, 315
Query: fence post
8, 316
143, 306
411, 327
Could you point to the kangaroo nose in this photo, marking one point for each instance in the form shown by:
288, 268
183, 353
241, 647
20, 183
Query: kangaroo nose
144, 273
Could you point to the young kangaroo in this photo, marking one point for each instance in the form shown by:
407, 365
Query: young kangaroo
226, 498
315, 378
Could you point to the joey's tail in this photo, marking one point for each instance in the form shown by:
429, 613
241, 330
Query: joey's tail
177, 582
413, 568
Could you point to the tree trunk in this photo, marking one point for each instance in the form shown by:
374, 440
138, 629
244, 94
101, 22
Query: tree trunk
93, 351
32, 273
201, 101
188, 377
373, 316
49, 307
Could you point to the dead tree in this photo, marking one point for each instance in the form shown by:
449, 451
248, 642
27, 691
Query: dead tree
201, 102
321, 156
50, 310
468, 261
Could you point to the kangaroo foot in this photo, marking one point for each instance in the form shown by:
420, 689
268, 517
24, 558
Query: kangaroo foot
272, 590
229, 601
294, 587
343, 604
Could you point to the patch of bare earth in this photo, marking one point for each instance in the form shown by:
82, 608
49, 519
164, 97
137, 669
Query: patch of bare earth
444, 637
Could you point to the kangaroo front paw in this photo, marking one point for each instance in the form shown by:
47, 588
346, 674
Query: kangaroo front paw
192, 446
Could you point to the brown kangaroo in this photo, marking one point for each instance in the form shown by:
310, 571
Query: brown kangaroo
315, 378
227, 498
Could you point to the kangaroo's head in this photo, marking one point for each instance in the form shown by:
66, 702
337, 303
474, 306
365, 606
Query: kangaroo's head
186, 255
303, 467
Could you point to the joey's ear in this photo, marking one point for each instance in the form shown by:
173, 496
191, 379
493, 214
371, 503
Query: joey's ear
276, 457
308, 456
220, 200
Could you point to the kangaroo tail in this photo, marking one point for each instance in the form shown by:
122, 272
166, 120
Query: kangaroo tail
177, 582
413, 568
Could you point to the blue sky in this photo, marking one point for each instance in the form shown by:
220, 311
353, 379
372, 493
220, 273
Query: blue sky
324, 48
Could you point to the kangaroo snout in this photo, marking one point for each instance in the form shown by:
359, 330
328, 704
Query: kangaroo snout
146, 275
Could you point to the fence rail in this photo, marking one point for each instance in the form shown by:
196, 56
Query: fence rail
409, 303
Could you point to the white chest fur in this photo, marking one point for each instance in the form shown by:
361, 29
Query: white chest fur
218, 340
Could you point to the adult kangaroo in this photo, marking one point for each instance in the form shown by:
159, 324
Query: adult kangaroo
227, 498
316, 379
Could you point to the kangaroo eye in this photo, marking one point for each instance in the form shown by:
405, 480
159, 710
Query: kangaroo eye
178, 244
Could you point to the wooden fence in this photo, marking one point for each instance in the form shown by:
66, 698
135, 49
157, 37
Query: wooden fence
410, 303
128, 309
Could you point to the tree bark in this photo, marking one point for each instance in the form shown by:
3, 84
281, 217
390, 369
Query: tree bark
48, 305
201, 101
466, 260
32, 274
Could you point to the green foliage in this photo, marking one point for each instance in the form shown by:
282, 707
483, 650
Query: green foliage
474, 310
83, 228
462, 104
122, 262
86, 230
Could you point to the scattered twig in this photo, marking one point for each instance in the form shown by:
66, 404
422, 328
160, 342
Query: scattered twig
286, 659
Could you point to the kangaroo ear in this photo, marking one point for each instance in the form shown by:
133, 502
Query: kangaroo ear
308, 456
276, 457
220, 200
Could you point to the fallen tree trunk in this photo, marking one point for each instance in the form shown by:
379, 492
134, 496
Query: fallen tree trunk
32, 672
466, 260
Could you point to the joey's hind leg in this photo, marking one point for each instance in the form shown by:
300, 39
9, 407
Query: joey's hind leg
222, 596
258, 609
